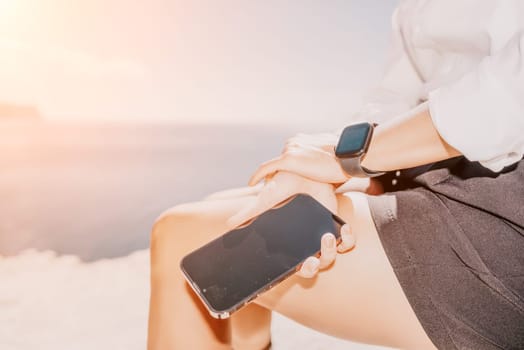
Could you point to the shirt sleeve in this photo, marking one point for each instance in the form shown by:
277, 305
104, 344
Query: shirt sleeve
482, 113
400, 86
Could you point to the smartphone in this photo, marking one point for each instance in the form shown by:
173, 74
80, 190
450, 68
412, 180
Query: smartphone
230, 271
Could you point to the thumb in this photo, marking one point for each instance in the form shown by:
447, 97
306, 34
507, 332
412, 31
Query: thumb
244, 215
267, 198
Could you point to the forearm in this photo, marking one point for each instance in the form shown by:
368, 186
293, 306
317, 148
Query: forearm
405, 142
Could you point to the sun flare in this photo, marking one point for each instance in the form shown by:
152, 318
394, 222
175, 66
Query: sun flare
7, 8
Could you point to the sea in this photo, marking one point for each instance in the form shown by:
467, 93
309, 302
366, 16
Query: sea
94, 190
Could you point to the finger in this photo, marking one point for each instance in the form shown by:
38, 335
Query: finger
348, 239
245, 214
268, 197
296, 148
354, 184
330, 148
309, 267
267, 168
328, 250
289, 146
239, 218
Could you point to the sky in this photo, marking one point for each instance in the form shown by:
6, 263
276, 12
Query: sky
202, 61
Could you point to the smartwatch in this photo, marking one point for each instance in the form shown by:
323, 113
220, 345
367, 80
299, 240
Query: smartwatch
352, 147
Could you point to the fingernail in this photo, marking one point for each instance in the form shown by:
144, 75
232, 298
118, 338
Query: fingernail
313, 266
348, 241
330, 242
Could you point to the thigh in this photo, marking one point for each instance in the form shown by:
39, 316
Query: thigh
356, 298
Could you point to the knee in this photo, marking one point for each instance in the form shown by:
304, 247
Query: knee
169, 241
167, 224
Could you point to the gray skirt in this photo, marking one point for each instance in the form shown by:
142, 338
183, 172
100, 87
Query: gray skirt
454, 234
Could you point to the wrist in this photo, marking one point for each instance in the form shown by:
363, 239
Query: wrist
352, 148
371, 160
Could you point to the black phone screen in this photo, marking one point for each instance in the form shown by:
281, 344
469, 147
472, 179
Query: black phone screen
232, 269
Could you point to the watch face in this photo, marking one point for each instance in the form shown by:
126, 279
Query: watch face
354, 140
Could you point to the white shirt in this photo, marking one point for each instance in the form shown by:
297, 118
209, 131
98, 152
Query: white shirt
466, 58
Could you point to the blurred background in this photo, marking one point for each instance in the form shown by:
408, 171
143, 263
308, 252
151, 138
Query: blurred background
112, 111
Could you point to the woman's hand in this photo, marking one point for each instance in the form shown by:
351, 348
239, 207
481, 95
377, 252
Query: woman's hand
280, 187
284, 185
310, 156
328, 252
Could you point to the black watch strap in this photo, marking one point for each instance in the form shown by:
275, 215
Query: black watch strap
353, 167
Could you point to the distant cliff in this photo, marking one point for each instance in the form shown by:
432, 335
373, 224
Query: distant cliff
18, 112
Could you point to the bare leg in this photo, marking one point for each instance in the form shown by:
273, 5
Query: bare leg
358, 298
177, 318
